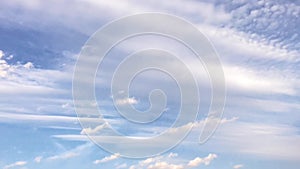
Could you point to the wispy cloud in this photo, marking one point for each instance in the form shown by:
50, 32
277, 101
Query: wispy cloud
174, 131
247, 80
124, 165
63, 156
74, 137
258, 44
16, 164
9, 117
69, 154
269, 141
92, 131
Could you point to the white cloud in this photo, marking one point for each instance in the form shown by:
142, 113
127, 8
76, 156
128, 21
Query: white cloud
156, 162
112, 139
38, 159
165, 165
107, 159
242, 44
12, 88
268, 141
9, 57
199, 124
173, 133
226, 120
266, 76
198, 161
130, 100
149, 161
167, 162
1, 54
63, 156
172, 155
92, 131
26, 79
16, 164
77, 151
10, 117
268, 105
71, 137
4, 68
263, 82
205, 12
32, 95
238, 166
28, 65
66, 105
124, 165
239, 77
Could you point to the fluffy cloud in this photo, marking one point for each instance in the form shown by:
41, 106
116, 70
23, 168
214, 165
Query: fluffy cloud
28, 65
8, 71
167, 162
198, 161
107, 159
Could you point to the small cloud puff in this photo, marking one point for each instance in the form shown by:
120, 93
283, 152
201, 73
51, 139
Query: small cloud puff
38, 159
238, 166
130, 100
106, 159
28, 65
206, 161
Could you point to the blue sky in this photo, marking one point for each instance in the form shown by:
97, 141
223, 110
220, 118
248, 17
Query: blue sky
258, 43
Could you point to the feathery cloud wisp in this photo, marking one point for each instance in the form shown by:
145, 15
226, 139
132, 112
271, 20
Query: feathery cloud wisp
16, 164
